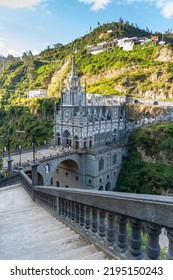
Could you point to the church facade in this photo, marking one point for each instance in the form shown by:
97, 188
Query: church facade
94, 126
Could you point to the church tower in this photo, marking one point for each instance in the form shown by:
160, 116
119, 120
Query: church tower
93, 126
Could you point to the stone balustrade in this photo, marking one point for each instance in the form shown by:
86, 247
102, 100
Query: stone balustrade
114, 221
10, 180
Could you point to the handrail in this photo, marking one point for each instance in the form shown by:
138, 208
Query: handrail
103, 217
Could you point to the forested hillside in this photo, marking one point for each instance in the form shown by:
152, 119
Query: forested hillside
147, 71
149, 163
20, 74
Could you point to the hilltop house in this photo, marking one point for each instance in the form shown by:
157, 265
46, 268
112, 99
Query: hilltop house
126, 44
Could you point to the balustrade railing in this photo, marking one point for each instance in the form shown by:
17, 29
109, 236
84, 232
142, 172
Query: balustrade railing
10, 180
27, 182
114, 221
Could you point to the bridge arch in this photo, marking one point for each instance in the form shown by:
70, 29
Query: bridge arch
65, 160
67, 173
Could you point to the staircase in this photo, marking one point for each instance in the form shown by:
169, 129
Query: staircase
28, 232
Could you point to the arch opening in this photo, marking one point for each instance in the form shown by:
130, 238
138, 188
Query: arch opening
76, 142
108, 187
68, 171
66, 138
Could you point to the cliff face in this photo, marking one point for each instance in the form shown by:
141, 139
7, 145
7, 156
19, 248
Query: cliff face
141, 111
144, 73
148, 166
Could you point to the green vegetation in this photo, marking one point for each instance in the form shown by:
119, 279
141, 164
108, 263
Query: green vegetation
149, 163
146, 68
30, 115
0, 162
46, 70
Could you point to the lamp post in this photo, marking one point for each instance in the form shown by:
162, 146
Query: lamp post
33, 164
20, 156
9, 159
20, 149
33, 147
8, 148
33, 144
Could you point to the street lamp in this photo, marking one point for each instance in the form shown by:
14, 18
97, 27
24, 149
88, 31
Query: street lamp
20, 149
20, 156
33, 143
9, 159
33, 147
8, 147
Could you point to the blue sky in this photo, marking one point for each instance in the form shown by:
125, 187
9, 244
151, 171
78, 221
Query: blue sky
35, 24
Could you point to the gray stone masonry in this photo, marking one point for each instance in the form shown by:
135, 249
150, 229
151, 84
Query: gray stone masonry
27, 232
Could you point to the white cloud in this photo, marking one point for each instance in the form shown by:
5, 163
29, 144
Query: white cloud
96, 4
14, 52
165, 6
14, 4
1, 45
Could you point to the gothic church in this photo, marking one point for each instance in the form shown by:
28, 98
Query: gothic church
94, 126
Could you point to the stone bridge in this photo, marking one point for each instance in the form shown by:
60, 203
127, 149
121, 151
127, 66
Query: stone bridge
81, 168
47, 166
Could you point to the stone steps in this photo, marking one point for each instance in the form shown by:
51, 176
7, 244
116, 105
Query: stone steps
28, 232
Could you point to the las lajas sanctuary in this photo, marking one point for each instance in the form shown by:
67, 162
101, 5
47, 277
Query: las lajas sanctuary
94, 126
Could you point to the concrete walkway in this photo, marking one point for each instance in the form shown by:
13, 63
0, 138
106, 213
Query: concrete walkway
27, 232
25, 156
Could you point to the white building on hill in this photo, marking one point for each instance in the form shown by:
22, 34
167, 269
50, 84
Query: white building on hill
37, 93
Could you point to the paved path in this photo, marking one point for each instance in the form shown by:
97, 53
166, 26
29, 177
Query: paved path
27, 232
29, 156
